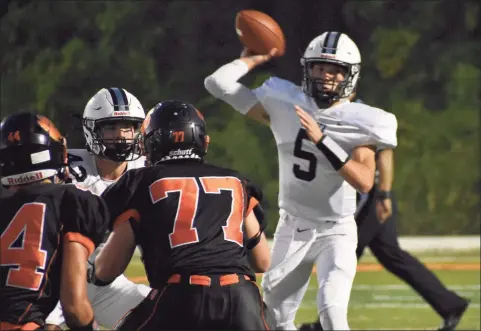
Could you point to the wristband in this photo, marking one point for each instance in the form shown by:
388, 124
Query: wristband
383, 195
252, 242
333, 152
92, 278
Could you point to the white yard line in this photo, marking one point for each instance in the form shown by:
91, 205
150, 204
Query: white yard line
381, 300
415, 298
311, 304
402, 305
401, 287
419, 329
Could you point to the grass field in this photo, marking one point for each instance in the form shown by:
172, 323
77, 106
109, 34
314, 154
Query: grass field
379, 300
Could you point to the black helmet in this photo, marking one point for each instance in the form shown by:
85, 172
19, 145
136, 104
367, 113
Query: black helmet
174, 130
31, 149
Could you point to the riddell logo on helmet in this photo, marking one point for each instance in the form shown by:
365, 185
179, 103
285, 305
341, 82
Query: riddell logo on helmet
180, 152
121, 113
25, 179
328, 56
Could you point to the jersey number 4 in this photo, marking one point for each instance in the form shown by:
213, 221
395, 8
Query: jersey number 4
184, 232
25, 259
310, 174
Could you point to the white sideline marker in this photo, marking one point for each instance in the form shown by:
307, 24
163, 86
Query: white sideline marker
401, 287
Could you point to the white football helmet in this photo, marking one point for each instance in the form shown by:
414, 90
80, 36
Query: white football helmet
111, 105
332, 47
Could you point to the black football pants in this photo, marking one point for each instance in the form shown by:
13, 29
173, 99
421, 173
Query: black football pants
185, 306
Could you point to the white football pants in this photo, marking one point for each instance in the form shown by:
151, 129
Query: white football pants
110, 303
298, 246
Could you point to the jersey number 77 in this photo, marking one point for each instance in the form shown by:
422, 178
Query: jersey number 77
184, 232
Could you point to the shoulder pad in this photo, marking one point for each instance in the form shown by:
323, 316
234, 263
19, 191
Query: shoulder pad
278, 88
381, 125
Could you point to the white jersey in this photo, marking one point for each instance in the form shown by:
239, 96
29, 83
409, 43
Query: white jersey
310, 188
84, 162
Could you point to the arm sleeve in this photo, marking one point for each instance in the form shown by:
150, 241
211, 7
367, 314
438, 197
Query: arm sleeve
223, 84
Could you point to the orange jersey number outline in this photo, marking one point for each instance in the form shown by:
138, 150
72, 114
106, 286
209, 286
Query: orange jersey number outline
184, 232
25, 260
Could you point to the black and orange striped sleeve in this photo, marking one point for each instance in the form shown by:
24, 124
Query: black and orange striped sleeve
85, 217
119, 198
81, 239
254, 202
126, 216
254, 195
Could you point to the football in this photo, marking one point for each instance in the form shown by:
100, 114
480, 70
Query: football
259, 32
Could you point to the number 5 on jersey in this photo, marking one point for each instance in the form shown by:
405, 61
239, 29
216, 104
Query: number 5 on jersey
310, 174
184, 232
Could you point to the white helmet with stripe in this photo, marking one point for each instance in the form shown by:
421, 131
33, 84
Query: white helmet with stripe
337, 48
111, 105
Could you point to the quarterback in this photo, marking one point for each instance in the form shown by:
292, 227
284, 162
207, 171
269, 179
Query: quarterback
326, 147
111, 121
